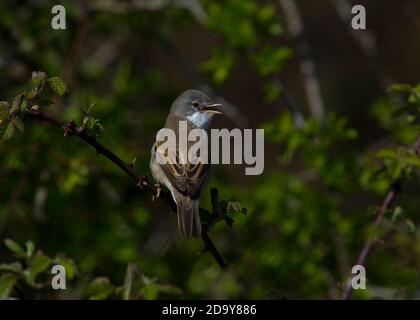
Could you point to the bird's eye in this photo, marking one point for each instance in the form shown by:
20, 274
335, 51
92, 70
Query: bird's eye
195, 104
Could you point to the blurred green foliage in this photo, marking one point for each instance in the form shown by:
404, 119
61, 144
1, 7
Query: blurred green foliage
307, 216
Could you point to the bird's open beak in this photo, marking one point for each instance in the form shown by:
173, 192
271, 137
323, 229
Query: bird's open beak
212, 108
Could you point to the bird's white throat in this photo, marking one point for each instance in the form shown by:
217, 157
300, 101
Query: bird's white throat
200, 119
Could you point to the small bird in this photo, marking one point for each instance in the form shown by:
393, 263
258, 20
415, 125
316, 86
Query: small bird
185, 181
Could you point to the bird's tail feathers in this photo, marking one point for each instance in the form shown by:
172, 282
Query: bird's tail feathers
188, 216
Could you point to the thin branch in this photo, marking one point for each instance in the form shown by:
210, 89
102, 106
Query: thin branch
307, 66
71, 130
395, 189
361, 260
209, 247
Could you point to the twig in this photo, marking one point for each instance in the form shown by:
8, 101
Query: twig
71, 130
361, 260
386, 204
307, 66
209, 247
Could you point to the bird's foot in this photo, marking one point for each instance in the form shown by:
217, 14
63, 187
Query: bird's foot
158, 189
142, 182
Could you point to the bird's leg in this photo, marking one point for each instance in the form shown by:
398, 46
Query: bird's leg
158, 189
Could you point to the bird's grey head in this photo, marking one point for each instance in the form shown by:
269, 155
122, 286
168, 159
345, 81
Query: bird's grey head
196, 107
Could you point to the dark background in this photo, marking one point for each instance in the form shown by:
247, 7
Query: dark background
308, 214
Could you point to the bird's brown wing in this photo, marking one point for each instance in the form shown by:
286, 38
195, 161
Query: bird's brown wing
196, 178
186, 178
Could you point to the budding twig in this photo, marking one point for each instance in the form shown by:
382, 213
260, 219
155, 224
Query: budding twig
394, 190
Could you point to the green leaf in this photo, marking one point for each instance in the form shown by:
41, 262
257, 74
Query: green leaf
57, 85
87, 110
16, 104
400, 88
9, 131
30, 248
413, 159
90, 124
396, 213
10, 128
18, 123
38, 78
39, 264
31, 94
4, 110
14, 246
219, 65
68, 264
386, 154
7, 282
272, 92
99, 289
24, 106
270, 60
266, 13
133, 162
150, 291
11, 267
411, 225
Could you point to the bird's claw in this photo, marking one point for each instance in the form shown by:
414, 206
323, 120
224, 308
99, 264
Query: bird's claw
158, 189
142, 182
